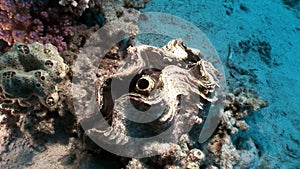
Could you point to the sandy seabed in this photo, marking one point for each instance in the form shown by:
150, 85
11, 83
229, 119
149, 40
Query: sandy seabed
244, 26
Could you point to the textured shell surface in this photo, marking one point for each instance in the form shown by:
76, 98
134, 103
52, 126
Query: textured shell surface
152, 92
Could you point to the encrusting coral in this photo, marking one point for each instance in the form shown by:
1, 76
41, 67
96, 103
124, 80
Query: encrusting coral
31, 72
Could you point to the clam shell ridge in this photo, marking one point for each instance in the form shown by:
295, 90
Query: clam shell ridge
154, 89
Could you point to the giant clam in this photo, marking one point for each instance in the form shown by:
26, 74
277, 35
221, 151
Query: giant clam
151, 96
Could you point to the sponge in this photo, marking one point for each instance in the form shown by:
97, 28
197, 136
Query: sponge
32, 71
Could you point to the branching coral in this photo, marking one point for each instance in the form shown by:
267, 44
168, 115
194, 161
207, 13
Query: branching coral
53, 21
30, 21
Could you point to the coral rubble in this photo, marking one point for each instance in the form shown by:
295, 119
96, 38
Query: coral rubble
31, 73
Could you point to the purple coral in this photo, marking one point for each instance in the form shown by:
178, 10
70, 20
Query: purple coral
32, 20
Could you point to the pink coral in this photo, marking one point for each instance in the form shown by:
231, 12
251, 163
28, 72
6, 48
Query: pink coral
32, 20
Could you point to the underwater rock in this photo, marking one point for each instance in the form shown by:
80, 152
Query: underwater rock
31, 73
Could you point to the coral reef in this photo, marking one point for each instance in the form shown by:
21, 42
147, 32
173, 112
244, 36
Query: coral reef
57, 22
38, 71
78, 6
34, 21
112, 9
32, 72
